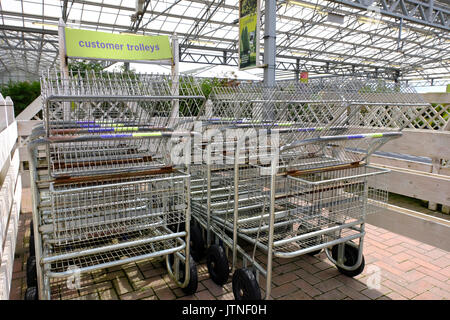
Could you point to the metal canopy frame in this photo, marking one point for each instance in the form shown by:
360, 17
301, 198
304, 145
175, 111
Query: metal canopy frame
392, 39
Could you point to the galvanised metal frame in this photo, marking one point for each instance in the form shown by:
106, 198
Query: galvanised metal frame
429, 13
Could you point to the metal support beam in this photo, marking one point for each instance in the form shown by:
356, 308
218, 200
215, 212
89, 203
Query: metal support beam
420, 12
270, 16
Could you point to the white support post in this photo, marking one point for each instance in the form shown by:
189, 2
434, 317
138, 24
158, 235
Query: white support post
175, 74
436, 163
62, 48
63, 64
9, 110
3, 114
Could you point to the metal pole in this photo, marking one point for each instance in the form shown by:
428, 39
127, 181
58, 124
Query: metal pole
63, 65
175, 73
270, 42
297, 70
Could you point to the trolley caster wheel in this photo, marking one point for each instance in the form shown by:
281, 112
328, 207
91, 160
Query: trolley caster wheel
350, 258
31, 272
217, 263
197, 243
31, 242
31, 293
191, 288
245, 285
31, 247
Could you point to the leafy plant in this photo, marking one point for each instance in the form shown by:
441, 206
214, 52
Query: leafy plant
84, 65
247, 7
21, 93
245, 40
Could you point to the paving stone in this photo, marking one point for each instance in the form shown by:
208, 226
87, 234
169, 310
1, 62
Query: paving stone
436, 275
165, 293
331, 295
442, 262
214, 288
427, 295
445, 272
442, 294
109, 294
327, 274
283, 290
376, 293
401, 257
328, 285
352, 283
311, 279
122, 285
204, 295
306, 287
399, 289
413, 275
352, 293
137, 295
395, 296
419, 286
284, 278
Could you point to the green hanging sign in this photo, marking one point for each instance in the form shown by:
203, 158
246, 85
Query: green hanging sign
248, 33
121, 47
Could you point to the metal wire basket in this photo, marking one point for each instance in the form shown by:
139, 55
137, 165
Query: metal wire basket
104, 102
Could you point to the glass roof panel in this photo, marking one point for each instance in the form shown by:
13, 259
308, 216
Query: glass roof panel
363, 42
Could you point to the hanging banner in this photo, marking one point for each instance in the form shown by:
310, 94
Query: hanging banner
121, 47
249, 26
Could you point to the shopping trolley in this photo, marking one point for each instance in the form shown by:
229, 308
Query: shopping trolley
107, 192
318, 188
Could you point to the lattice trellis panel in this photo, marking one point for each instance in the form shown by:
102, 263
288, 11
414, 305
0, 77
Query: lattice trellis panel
435, 117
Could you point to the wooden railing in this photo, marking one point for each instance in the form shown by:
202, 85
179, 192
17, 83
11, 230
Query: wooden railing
416, 179
10, 193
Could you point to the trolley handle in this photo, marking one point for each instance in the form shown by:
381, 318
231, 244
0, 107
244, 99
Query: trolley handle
113, 136
389, 135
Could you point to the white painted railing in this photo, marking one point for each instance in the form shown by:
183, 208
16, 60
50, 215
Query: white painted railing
10, 194
431, 139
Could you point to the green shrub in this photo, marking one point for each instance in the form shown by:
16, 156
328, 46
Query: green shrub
21, 93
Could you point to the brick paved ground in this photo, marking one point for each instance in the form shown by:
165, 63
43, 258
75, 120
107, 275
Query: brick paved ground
408, 270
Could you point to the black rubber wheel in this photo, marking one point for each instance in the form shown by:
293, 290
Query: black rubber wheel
31, 272
31, 293
350, 259
31, 247
217, 263
245, 285
316, 240
191, 288
197, 244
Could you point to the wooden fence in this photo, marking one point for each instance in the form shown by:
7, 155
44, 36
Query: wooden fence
10, 193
